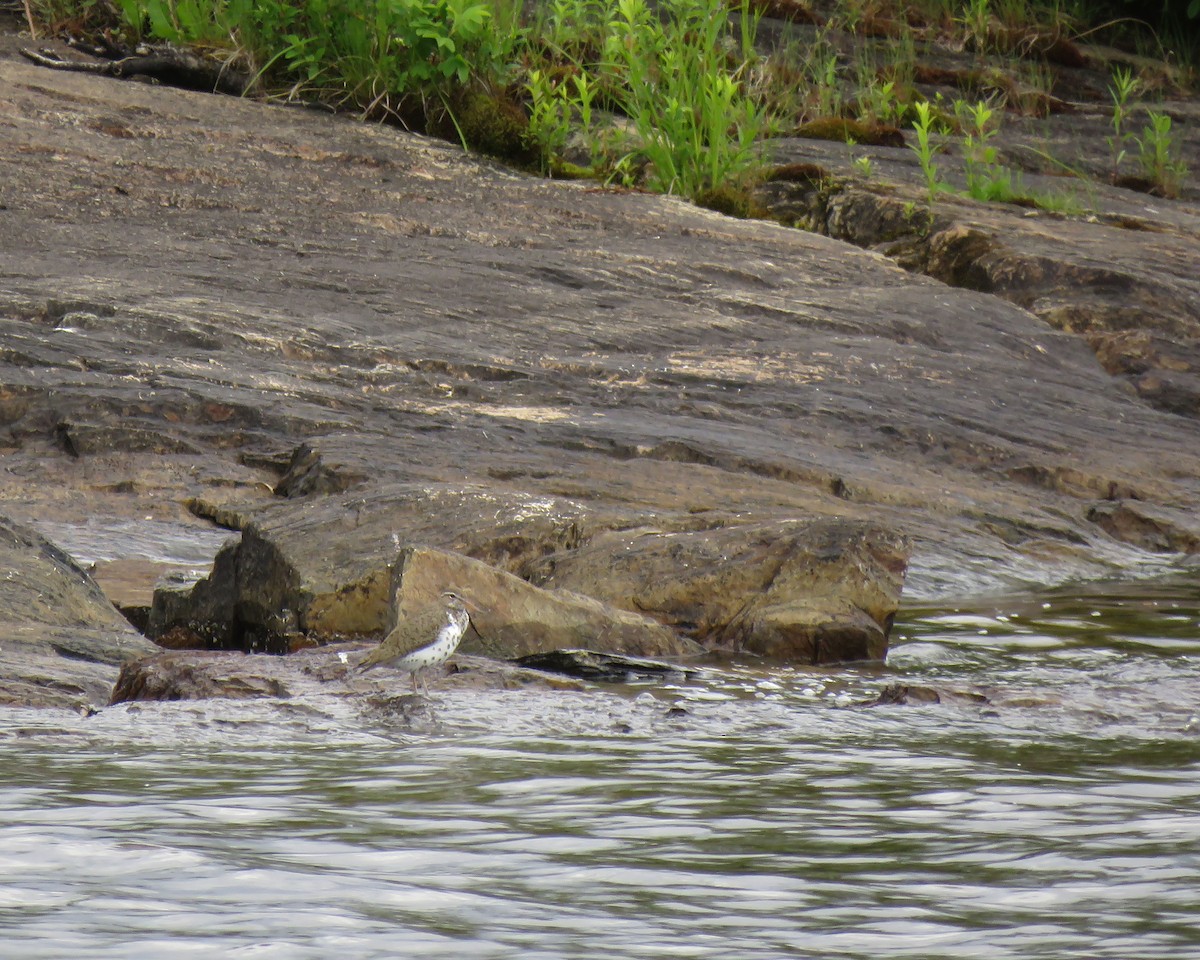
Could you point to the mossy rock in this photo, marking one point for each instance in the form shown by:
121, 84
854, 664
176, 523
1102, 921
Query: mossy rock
841, 130
812, 173
496, 124
731, 201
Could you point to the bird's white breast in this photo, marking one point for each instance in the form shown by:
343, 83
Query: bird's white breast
443, 646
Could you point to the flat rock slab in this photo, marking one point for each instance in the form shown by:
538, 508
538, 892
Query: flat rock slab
203, 295
309, 674
603, 667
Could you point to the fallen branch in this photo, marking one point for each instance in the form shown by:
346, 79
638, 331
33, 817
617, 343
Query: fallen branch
166, 65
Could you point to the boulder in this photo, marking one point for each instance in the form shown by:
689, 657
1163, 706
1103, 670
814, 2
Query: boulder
808, 591
62, 640
515, 619
321, 569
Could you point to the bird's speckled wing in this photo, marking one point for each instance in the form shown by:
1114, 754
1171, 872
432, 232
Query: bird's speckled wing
412, 632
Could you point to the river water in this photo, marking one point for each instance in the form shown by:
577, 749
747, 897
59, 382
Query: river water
1050, 809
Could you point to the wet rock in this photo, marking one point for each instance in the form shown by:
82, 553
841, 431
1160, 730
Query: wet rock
1155, 528
821, 591
1119, 278
901, 694
1164, 371
515, 619
304, 676
202, 674
602, 667
61, 640
414, 347
323, 568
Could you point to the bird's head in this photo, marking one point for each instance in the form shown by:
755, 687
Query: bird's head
450, 596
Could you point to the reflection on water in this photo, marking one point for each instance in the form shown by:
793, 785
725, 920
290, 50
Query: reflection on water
750, 813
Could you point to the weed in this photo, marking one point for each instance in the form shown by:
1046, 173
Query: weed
975, 21
549, 115
1158, 156
1123, 86
987, 179
696, 124
925, 149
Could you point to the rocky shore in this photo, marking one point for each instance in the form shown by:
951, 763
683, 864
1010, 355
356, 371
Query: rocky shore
617, 420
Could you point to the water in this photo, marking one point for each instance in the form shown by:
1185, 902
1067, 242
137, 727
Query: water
750, 813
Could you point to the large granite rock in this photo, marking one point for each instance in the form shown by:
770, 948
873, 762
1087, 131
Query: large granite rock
810, 592
61, 640
515, 619
340, 339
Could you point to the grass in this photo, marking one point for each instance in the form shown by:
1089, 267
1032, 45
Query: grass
676, 97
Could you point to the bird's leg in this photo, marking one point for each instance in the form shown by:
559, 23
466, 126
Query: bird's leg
414, 681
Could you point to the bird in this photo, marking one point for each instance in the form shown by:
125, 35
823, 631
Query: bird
425, 639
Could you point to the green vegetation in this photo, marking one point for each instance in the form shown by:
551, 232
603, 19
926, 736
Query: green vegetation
1124, 85
673, 85
677, 96
1157, 152
925, 149
1158, 155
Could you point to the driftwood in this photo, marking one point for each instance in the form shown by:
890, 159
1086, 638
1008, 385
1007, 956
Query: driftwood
161, 64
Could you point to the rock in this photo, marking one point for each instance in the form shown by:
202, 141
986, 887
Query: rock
261, 574
61, 640
821, 591
304, 676
1165, 371
901, 694
1135, 302
413, 346
1154, 528
323, 568
602, 667
515, 619
203, 674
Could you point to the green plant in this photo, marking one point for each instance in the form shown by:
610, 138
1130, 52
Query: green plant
863, 165
1122, 88
1060, 201
696, 124
549, 115
975, 21
385, 57
987, 178
1158, 156
877, 100
925, 149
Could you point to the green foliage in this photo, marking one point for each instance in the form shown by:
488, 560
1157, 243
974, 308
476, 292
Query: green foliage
373, 54
1158, 155
676, 73
975, 20
987, 179
694, 123
925, 149
1123, 86
673, 95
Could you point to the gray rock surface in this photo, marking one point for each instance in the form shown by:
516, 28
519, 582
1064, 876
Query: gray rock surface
61, 640
305, 677
343, 339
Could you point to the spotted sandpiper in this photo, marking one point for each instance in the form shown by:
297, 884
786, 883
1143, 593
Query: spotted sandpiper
425, 639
